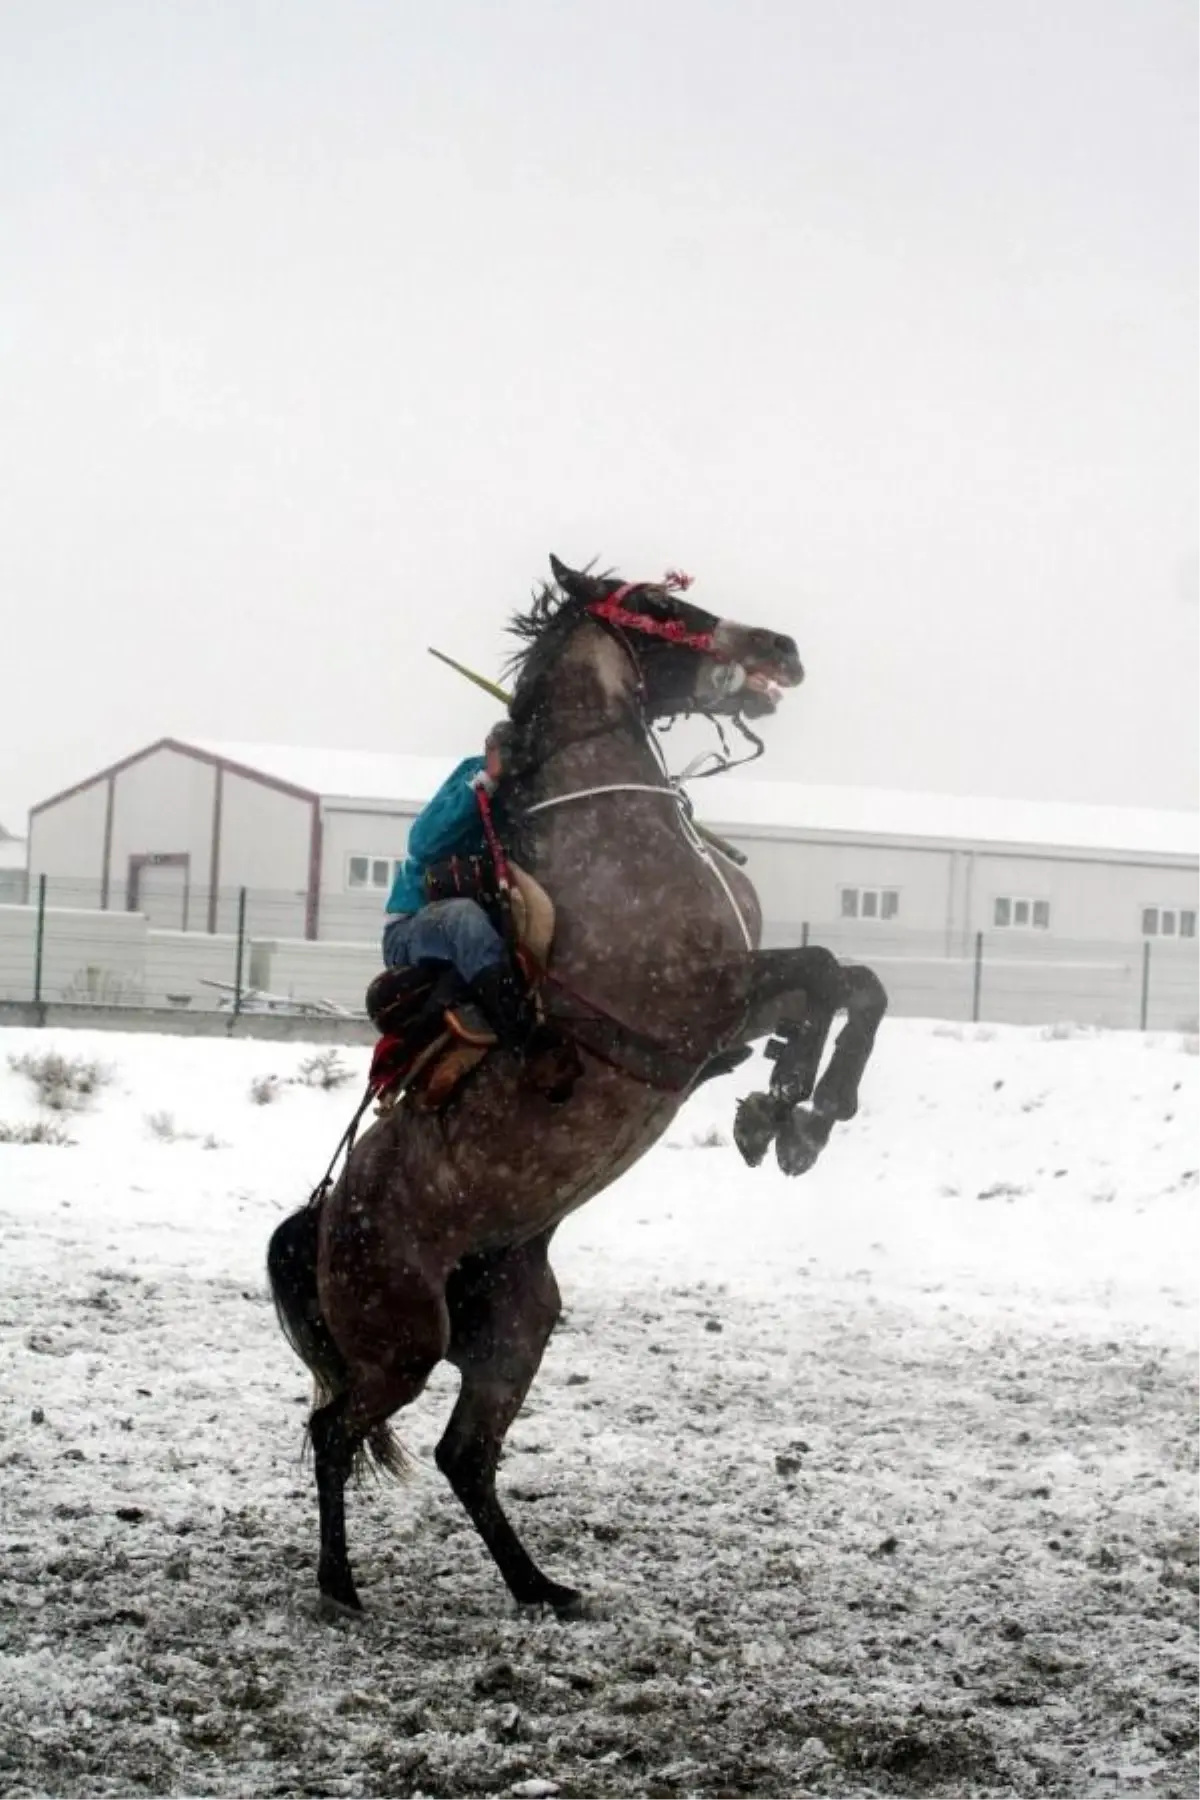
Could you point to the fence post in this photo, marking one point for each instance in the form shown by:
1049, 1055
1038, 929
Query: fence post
1145, 1012
241, 953
39, 941
978, 985
804, 935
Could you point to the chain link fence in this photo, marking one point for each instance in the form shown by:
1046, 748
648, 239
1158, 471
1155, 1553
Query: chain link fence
244, 950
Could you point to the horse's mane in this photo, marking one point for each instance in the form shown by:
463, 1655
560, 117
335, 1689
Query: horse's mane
541, 628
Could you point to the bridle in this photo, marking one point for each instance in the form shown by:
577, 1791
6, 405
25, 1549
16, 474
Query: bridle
620, 619
612, 611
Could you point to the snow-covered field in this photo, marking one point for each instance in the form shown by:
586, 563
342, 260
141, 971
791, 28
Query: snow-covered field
879, 1482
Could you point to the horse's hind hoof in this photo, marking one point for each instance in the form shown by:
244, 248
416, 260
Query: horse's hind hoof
564, 1602
335, 1611
800, 1140
339, 1596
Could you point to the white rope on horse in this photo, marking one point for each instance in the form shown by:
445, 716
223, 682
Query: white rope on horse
613, 787
674, 792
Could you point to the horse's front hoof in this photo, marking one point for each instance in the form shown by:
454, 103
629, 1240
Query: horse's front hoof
800, 1140
758, 1117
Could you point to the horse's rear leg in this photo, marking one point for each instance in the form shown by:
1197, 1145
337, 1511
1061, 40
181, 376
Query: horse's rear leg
335, 1446
503, 1307
392, 1337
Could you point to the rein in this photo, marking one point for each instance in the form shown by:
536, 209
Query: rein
611, 612
619, 619
684, 806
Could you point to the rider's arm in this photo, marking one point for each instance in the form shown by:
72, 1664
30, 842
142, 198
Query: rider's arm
451, 815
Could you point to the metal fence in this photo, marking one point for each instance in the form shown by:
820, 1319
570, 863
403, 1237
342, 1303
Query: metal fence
243, 950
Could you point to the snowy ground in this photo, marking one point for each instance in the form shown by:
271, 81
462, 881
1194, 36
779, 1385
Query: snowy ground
881, 1482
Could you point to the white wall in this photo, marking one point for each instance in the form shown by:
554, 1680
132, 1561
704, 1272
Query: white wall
1174, 988
66, 844
949, 894
1100, 900
354, 914
314, 971
801, 880
265, 843
179, 964
86, 955
110, 958
163, 806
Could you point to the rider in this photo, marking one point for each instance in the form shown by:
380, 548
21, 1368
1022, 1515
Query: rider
458, 930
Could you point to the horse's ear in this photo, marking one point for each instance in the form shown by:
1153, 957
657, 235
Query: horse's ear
577, 586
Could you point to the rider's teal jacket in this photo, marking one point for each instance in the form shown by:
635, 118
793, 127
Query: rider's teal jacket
448, 826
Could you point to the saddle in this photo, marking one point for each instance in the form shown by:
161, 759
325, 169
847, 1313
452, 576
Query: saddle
432, 1035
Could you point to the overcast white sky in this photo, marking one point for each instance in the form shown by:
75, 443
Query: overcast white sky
321, 324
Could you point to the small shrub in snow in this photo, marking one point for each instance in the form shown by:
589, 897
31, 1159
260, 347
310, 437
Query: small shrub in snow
323, 1069
950, 1031
161, 1125
1059, 1033
1190, 1045
984, 1034
62, 1083
712, 1139
264, 1089
102, 987
38, 1131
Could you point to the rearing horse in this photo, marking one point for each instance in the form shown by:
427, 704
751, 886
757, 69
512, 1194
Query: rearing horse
433, 1245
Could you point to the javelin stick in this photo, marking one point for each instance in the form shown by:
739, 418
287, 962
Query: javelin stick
498, 693
481, 681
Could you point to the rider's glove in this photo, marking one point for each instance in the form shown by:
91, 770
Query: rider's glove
484, 780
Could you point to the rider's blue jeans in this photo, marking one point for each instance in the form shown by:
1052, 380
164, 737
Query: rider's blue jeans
453, 931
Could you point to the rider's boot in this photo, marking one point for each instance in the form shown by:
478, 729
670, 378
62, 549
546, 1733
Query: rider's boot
550, 1061
504, 1000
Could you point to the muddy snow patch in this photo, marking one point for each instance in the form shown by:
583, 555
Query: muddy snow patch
881, 1482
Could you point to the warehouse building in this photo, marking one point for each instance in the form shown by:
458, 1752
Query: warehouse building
178, 828
12, 866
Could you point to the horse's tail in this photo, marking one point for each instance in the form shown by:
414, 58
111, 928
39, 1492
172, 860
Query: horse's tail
292, 1271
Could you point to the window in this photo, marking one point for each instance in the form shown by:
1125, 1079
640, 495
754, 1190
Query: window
870, 903
1168, 921
369, 872
1012, 914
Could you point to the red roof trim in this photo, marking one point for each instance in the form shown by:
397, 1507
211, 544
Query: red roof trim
246, 772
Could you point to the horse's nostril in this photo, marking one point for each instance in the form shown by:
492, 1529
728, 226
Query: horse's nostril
786, 647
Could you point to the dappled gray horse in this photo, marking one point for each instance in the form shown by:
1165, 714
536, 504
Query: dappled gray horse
434, 1242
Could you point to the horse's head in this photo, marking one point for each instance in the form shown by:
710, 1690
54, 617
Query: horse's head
689, 660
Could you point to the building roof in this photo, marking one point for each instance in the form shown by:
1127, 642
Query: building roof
339, 774
780, 806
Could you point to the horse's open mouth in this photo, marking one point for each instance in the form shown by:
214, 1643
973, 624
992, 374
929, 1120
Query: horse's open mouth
768, 685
